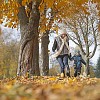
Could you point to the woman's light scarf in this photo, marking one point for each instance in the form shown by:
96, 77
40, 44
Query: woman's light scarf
62, 45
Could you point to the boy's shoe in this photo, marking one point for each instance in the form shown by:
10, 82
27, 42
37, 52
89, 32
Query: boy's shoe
62, 75
68, 74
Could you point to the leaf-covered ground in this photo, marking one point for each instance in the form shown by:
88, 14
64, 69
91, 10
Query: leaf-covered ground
50, 88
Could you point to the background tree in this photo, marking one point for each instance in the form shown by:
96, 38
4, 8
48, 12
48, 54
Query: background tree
26, 14
97, 73
51, 13
84, 32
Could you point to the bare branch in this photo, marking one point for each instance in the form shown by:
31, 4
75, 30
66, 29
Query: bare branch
91, 43
73, 26
84, 37
95, 41
73, 40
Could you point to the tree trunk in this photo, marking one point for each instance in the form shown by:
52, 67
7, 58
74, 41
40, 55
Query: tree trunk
29, 56
35, 62
87, 66
44, 53
87, 56
29, 47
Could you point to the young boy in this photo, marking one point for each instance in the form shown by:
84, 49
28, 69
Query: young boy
77, 63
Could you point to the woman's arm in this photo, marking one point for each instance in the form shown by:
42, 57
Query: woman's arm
70, 57
54, 46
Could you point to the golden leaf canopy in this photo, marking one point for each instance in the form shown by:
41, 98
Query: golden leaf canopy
61, 9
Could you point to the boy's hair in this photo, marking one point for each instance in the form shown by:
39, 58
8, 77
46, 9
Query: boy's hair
77, 51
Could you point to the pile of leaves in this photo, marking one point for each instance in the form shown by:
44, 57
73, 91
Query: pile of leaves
50, 88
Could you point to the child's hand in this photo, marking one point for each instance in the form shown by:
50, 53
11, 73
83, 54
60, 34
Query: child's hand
69, 54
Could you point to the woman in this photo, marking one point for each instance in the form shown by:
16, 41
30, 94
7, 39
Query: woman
61, 44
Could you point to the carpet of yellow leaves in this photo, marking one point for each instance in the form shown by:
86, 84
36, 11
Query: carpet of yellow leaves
50, 88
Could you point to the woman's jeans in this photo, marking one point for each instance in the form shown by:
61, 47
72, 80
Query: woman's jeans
63, 61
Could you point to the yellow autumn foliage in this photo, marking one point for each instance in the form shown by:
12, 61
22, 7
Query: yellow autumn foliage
61, 8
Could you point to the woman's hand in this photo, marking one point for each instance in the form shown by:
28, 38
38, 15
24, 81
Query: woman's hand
65, 38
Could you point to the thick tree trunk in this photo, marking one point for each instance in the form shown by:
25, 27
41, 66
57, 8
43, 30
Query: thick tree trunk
29, 47
44, 53
29, 56
35, 62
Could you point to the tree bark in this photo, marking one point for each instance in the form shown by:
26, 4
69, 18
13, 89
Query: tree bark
44, 53
29, 45
35, 62
88, 67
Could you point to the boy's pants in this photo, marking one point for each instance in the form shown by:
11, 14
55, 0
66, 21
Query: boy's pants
77, 71
63, 61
